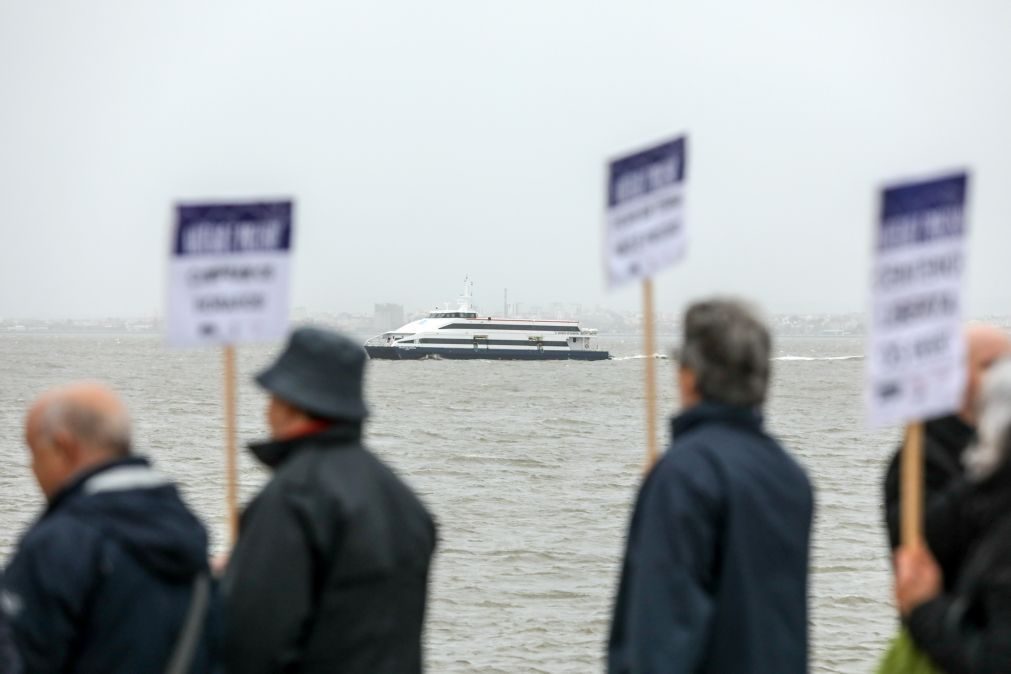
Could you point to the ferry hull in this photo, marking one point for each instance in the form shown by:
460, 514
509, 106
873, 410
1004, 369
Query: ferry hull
419, 353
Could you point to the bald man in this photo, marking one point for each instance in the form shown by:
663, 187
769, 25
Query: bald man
112, 577
944, 442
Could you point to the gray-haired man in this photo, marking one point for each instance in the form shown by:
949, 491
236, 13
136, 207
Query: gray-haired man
715, 572
112, 577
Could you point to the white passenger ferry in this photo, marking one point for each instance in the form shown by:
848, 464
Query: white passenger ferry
461, 333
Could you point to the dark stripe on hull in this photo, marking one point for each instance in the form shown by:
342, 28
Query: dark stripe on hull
395, 353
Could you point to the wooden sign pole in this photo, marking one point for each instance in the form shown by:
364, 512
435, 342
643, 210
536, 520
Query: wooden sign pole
912, 487
650, 364
231, 471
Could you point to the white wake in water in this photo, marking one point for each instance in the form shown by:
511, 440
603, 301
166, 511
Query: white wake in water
661, 356
819, 358
658, 356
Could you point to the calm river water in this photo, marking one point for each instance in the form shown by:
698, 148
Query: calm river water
530, 468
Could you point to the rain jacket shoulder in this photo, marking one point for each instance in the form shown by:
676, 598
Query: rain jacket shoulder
716, 565
331, 568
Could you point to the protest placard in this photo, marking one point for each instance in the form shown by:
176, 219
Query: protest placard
229, 273
916, 351
644, 233
228, 284
645, 229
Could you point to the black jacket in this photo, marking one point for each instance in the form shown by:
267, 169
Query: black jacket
330, 572
967, 630
102, 581
944, 441
715, 572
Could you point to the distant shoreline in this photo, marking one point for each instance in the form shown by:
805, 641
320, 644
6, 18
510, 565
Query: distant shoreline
356, 333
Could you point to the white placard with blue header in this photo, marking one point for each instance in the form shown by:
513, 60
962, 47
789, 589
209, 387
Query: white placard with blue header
916, 366
229, 273
645, 229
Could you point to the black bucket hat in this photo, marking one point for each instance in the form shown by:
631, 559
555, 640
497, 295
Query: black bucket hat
319, 372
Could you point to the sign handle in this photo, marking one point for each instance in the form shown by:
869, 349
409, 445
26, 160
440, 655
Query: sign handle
912, 486
231, 472
649, 345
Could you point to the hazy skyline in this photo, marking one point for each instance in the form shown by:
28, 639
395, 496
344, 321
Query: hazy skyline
423, 143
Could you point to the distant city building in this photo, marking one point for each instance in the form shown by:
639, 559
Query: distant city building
388, 317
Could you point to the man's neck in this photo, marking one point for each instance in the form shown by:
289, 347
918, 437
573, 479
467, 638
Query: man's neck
86, 467
302, 428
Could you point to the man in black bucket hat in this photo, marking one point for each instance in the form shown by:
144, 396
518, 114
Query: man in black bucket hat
330, 571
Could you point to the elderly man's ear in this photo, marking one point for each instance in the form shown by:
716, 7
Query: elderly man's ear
68, 449
687, 387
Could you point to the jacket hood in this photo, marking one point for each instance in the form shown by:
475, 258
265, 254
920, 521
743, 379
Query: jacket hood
141, 509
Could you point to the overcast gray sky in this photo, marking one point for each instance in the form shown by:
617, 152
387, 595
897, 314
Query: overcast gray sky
423, 141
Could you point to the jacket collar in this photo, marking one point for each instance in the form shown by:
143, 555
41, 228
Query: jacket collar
272, 453
79, 482
707, 412
952, 433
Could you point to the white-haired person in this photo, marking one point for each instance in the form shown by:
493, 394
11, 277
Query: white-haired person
967, 628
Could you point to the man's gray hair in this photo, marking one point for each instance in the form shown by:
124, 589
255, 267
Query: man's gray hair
727, 346
109, 432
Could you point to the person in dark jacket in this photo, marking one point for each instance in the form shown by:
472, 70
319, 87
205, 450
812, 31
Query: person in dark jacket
330, 571
716, 566
944, 441
104, 581
966, 628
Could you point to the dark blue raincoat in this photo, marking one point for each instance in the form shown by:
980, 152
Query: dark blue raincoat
716, 566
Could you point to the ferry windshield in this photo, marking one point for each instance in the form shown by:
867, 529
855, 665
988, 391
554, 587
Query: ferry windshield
453, 314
